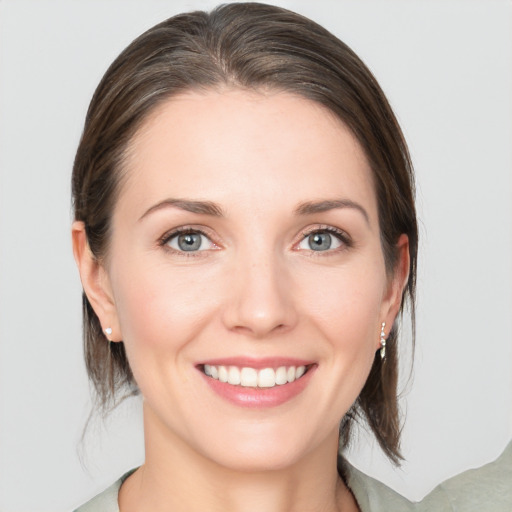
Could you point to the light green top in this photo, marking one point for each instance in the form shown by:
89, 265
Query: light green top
488, 488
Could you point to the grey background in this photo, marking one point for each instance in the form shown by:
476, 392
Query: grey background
447, 69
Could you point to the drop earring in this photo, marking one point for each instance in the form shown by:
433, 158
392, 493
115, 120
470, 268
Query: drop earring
382, 341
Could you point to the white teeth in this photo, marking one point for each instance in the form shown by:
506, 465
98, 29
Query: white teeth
266, 378
223, 374
251, 378
234, 375
281, 375
301, 370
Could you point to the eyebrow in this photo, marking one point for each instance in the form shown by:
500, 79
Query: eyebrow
213, 209
200, 207
312, 207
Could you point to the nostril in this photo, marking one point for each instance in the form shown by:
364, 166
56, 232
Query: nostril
259, 330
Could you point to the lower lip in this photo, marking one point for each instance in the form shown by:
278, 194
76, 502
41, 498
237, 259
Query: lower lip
259, 397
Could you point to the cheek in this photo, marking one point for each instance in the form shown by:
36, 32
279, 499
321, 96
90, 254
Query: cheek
347, 302
161, 308
346, 307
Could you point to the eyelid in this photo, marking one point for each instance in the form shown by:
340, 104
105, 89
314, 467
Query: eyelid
163, 241
340, 234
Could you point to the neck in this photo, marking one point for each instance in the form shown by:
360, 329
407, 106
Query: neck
176, 478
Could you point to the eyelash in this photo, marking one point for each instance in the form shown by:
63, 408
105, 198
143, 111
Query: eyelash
185, 230
341, 235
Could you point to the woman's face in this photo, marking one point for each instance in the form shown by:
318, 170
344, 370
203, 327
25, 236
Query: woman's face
245, 245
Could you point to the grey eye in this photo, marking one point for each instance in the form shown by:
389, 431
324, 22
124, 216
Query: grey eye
320, 241
190, 242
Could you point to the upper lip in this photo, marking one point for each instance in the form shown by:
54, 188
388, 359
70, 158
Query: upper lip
256, 363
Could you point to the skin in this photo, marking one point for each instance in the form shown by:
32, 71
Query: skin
256, 290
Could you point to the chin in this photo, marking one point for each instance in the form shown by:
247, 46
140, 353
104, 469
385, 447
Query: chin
254, 459
260, 449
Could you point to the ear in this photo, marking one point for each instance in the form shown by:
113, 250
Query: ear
95, 282
396, 285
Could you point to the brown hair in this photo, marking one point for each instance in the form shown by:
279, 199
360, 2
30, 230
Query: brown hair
251, 46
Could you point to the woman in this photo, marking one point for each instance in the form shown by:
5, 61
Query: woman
246, 238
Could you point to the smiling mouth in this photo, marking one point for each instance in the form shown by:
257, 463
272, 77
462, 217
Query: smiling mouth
248, 377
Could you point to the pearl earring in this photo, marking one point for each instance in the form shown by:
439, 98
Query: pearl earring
382, 341
108, 331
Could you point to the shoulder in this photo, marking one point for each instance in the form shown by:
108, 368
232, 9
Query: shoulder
107, 500
477, 489
370, 494
471, 491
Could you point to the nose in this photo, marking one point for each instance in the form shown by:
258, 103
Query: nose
260, 297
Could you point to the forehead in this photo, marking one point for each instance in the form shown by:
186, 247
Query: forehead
217, 144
